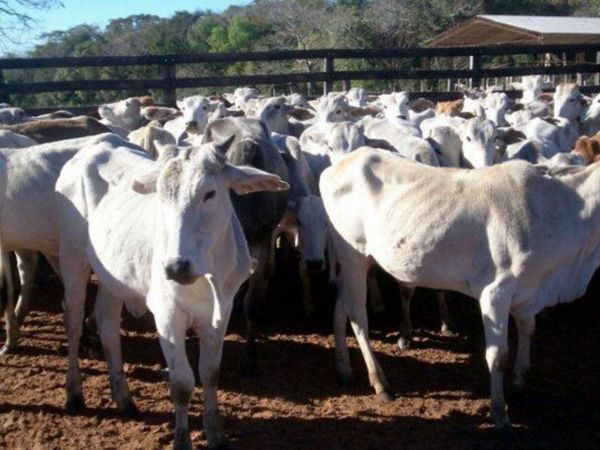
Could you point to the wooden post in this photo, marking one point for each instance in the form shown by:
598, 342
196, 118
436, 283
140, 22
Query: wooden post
169, 94
474, 64
328, 85
597, 73
346, 85
4, 97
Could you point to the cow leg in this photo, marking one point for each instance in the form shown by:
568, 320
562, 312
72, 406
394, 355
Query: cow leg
444, 313
342, 357
352, 293
307, 298
211, 351
525, 329
495, 311
10, 319
75, 275
374, 293
27, 265
171, 328
253, 300
406, 331
108, 318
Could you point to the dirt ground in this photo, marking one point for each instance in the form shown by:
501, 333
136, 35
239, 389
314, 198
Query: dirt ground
296, 400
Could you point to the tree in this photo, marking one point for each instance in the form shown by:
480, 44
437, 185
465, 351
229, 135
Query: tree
15, 17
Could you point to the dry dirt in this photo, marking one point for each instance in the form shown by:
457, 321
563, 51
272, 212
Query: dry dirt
296, 400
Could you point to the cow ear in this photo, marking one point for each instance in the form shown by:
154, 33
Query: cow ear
224, 145
300, 113
180, 105
245, 180
145, 183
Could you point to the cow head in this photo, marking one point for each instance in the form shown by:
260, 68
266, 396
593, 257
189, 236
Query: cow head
193, 207
333, 108
568, 102
195, 111
478, 142
125, 113
311, 220
495, 105
395, 105
274, 113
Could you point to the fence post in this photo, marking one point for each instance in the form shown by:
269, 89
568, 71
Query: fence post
597, 73
4, 97
169, 94
346, 85
328, 84
474, 64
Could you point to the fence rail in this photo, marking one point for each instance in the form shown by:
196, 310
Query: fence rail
169, 82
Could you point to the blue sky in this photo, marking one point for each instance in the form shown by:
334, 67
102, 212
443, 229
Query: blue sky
99, 12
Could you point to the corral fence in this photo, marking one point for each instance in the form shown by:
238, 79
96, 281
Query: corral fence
568, 61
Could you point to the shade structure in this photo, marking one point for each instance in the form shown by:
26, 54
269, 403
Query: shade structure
520, 30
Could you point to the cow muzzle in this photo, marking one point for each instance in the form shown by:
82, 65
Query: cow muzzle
191, 127
179, 271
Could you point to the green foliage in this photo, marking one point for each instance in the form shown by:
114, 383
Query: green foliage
267, 25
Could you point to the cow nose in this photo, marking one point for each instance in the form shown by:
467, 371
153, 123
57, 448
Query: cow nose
315, 265
191, 123
178, 270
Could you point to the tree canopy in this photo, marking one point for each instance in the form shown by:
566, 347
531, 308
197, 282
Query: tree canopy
263, 25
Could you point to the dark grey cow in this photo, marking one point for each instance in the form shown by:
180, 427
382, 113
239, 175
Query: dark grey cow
259, 213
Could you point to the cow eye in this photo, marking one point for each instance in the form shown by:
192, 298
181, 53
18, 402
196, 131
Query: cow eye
205, 108
209, 195
298, 222
277, 106
469, 138
339, 111
571, 100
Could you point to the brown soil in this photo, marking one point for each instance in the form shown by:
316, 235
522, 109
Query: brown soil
296, 400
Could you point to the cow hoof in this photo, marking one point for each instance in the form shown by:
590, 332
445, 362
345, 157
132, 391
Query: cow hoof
75, 405
386, 396
182, 440
8, 350
130, 411
403, 344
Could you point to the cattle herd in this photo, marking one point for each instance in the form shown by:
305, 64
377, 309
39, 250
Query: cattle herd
179, 210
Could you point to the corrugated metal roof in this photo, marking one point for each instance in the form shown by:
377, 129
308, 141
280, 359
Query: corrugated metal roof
487, 29
549, 24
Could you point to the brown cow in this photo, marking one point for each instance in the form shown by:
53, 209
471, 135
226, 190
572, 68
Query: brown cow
51, 130
451, 108
588, 148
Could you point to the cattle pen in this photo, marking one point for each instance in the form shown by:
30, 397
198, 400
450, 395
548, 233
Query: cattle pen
580, 63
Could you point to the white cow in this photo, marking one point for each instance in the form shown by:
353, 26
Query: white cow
28, 218
195, 112
531, 85
495, 105
590, 118
163, 236
122, 116
10, 139
485, 243
568, 102
10, 115
478, 142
